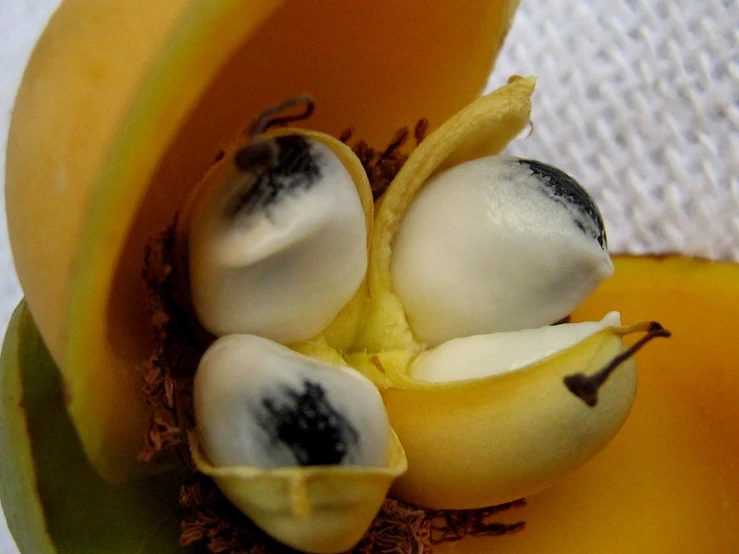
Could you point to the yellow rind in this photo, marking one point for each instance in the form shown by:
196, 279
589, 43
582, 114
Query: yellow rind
321, 509
54, 501
98, 139
151, 93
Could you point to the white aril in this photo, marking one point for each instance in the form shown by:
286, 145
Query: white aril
279, 247
485, 355
258, 403
497, 244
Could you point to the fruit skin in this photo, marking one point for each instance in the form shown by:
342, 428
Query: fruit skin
79, 157
106, 142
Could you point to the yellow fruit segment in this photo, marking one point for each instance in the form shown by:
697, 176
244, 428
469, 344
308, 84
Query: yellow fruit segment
667, 484
489, 441
151, 93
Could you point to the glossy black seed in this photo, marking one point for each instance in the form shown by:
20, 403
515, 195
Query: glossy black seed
565, 190
283, 165
309, 426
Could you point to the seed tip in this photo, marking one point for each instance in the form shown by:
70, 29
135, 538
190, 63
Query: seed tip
255, 155
583, 387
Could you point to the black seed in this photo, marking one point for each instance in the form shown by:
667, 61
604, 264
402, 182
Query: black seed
309, 426
283, 165
569, 192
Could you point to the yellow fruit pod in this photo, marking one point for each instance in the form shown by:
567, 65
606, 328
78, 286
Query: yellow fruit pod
122, 109
521, 431
321, 509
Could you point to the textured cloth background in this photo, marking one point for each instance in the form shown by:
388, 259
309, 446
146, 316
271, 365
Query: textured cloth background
638, 99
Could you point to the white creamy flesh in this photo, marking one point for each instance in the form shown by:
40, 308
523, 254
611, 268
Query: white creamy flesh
484, 248
286, 270
485, 355
240, 375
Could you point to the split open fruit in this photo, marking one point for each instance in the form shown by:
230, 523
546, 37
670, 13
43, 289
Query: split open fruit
135, 126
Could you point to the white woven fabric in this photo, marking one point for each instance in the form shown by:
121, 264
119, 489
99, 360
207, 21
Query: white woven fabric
638, 99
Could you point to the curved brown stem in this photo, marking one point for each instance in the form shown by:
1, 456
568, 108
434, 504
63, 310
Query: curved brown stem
268, 120
586, 387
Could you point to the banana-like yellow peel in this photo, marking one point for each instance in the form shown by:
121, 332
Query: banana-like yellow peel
322, 509
152, 93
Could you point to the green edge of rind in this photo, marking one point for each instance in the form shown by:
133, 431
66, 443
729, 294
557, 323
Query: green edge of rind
18, 486
54, 501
